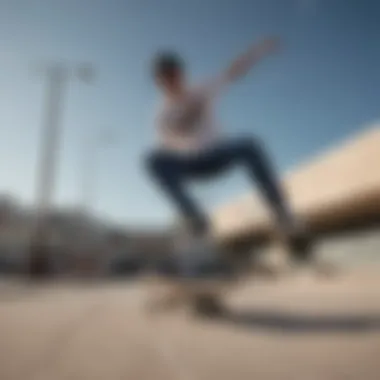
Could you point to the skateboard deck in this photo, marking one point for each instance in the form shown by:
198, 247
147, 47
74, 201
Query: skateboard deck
201, 295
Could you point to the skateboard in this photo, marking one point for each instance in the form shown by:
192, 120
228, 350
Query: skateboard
200, 296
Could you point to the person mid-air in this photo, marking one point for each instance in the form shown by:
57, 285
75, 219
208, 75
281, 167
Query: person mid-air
190, 148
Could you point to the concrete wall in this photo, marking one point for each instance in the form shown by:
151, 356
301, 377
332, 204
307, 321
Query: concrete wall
339, 185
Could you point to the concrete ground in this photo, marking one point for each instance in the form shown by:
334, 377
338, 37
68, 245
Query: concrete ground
299, 327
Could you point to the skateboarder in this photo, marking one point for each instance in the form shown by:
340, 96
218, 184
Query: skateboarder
190, 148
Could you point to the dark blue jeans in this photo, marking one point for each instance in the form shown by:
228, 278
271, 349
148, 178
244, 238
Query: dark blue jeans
172, 170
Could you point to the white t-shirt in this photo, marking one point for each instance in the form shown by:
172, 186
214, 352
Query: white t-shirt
187, 124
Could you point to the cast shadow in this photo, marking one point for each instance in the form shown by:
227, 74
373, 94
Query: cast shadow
287, 322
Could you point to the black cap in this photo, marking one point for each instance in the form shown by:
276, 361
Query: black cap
166, 63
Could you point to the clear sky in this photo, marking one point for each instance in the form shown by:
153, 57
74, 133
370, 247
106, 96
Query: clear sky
323, 86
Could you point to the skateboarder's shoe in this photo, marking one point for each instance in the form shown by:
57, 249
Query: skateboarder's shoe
299, 242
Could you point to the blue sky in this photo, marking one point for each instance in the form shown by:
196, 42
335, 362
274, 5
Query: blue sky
323, 86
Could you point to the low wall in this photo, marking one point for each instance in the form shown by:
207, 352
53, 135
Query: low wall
338, 188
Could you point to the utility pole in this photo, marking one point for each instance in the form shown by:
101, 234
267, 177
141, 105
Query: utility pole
57, 76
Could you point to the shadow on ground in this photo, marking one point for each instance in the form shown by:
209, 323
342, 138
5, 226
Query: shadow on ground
297, 323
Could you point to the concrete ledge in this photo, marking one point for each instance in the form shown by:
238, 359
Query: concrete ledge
339, 187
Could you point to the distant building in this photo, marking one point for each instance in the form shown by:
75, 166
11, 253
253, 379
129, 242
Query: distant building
142, 246
78, 244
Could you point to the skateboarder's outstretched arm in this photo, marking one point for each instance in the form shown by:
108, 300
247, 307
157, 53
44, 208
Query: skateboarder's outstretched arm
243, 63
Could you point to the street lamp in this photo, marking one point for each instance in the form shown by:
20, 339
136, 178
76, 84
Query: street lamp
57, 75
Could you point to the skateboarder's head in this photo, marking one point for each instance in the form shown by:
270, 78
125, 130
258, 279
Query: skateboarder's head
168, 71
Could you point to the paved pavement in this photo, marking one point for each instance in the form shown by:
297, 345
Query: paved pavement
297, 328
